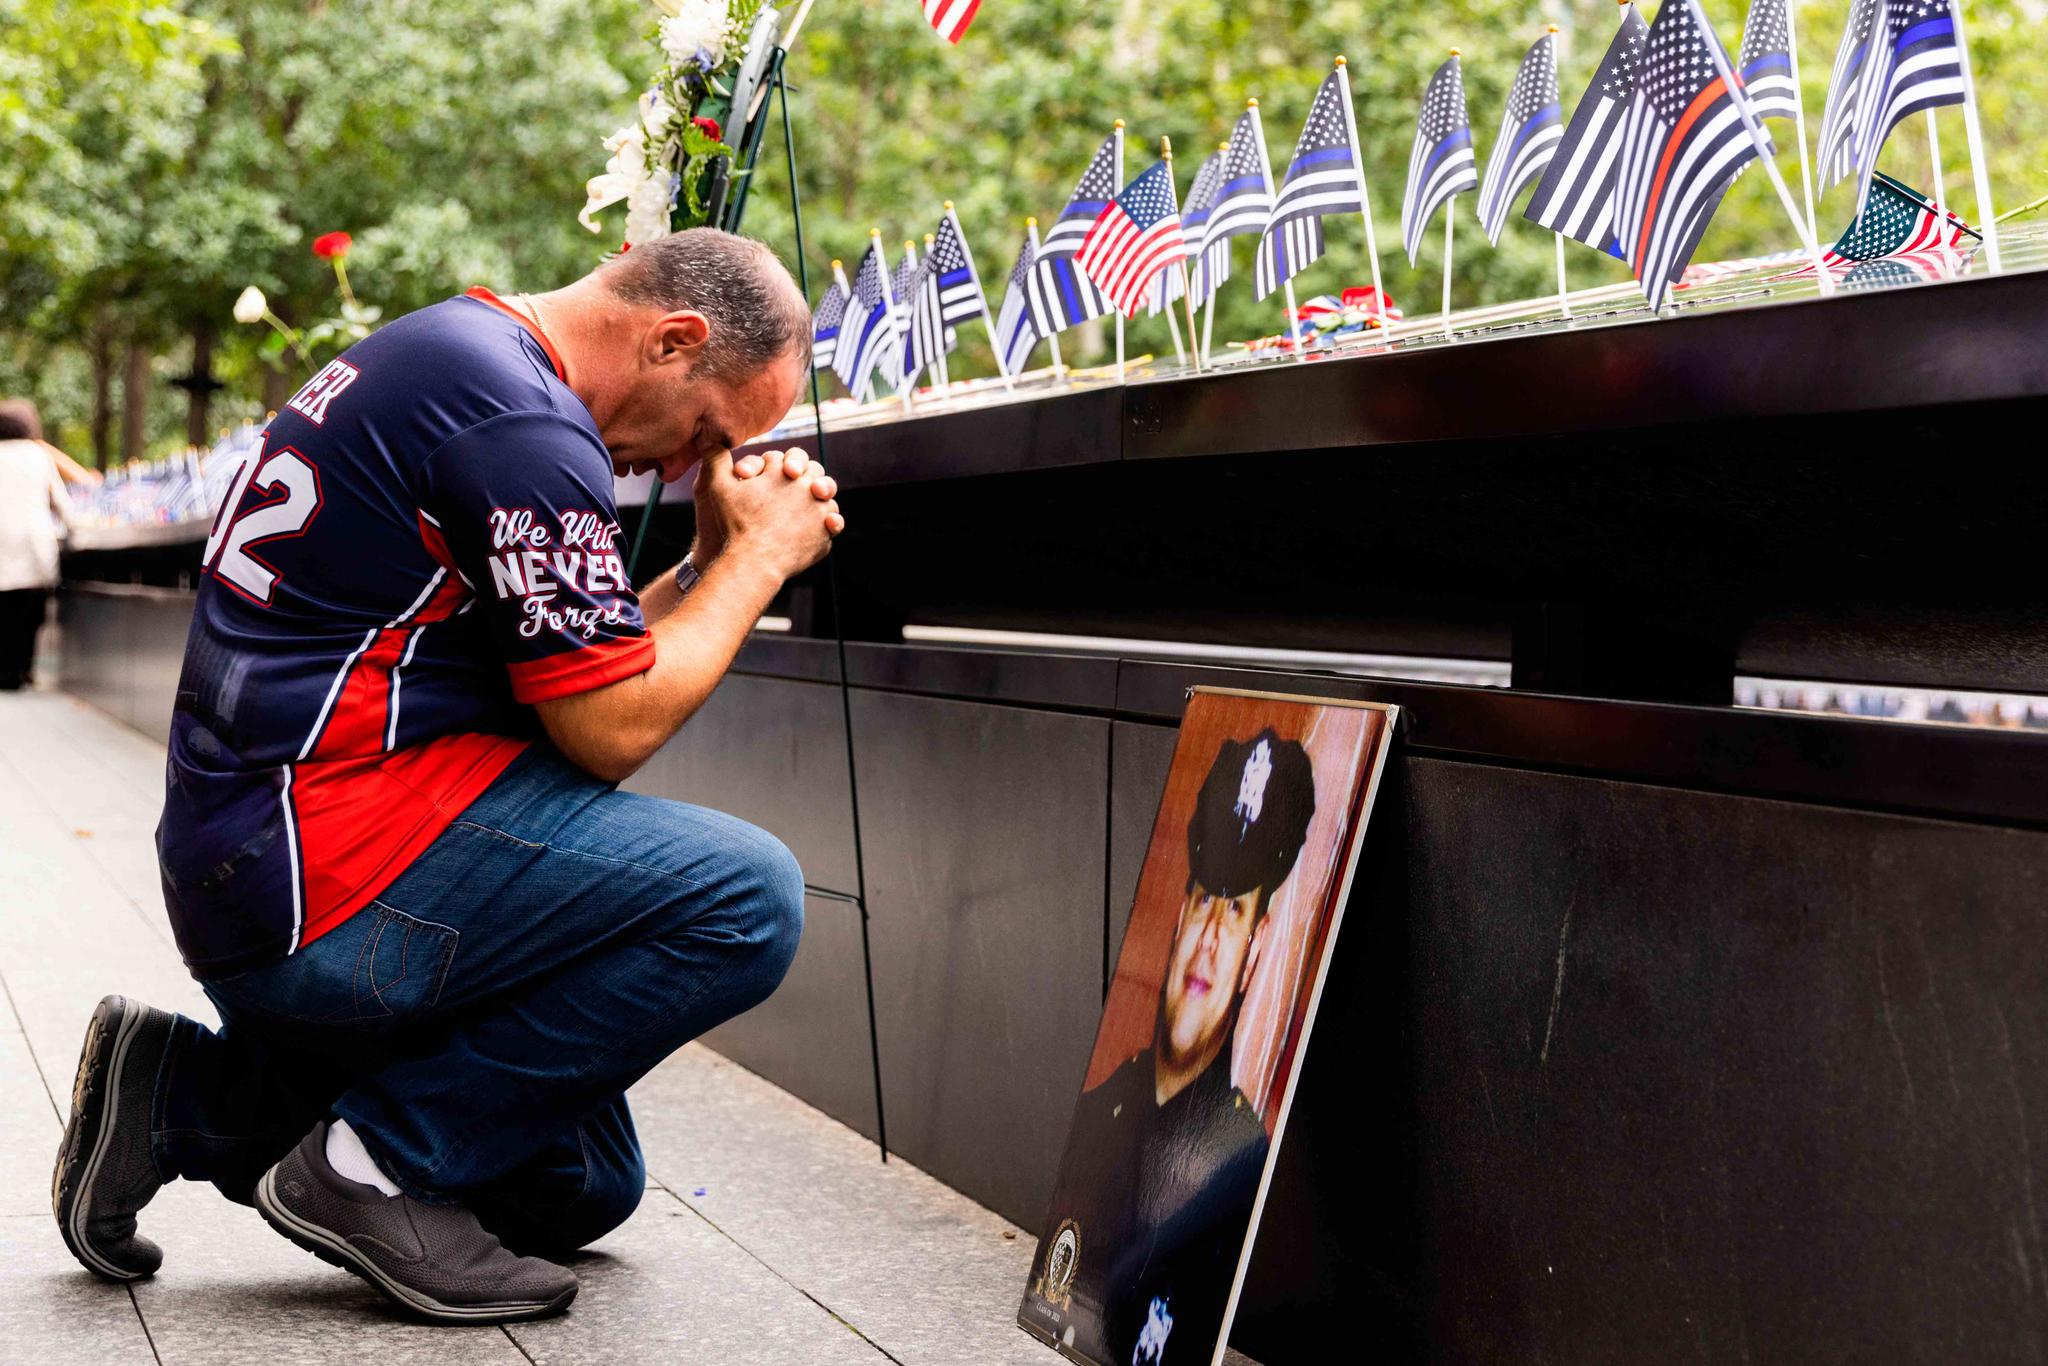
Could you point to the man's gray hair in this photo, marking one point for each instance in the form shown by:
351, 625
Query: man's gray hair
757, 313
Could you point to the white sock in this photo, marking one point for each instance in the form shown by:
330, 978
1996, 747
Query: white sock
349, 1158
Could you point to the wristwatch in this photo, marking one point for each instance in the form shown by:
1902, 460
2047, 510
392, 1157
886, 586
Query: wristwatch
686, 576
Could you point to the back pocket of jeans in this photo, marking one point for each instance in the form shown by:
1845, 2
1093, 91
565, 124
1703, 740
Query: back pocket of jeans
402, 963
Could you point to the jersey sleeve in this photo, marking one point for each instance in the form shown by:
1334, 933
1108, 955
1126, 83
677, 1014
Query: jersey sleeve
521, 506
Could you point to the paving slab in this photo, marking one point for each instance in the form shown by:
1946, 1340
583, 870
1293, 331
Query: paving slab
770, 1234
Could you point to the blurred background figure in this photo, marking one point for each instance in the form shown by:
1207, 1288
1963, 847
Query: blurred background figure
33, 506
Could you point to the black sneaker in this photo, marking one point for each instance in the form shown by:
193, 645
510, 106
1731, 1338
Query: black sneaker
104, 1170
436, 1261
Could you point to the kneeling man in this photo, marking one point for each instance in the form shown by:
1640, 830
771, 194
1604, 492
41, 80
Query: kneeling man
442, 944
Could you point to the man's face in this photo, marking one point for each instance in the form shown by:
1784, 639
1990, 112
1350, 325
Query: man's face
1215, 947
675, 415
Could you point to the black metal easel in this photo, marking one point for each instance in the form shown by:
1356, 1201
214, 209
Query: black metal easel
733, 209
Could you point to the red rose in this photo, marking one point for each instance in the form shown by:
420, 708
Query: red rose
329, 245
711, 128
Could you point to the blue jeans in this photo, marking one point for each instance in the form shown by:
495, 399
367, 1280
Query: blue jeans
479, 1022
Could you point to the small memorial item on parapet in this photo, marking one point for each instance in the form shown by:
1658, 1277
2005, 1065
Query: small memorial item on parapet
1193, 1071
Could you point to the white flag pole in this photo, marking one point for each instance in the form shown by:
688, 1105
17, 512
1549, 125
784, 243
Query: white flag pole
1372, 246
1799, 117
1450, 217
1181, 266
1209, 300
1747, 113
889, 302
1059, 367
1287, 285
1950, 265
1979, 173
1116, 178
1564, 303
987, 322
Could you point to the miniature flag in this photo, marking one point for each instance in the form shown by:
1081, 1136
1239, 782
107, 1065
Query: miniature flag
950, 18
825, 326
1135, 237
1243, 203
1576, 195
1194, 222
1836, 148
1913, 64
1682, 143
1897, 221
1440, 164
1061, 295
871, 331
1766, 61
901, 282
944, 292
1016, 333
1322, 179
1529, 133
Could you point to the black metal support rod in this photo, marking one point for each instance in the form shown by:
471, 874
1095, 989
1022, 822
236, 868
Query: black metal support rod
860, 875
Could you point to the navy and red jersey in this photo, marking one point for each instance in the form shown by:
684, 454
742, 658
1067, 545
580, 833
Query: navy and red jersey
425, 545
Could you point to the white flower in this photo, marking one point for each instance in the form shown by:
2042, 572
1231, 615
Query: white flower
694, 25
250, 306
625, 170
647, 209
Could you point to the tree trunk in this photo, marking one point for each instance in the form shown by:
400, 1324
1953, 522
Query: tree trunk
277, 387
201, 393
102, 391
135, 383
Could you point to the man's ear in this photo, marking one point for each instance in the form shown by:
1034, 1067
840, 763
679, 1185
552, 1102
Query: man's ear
678, 336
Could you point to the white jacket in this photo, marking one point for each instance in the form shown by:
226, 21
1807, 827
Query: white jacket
32, 505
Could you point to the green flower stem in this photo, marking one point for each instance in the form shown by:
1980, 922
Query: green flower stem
341, 278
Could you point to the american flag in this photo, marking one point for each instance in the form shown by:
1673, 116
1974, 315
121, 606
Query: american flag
944, 293
1529, 133
950, 18
1061, 295
1134, 238
1914, 65
825, 325
1766, 61
1681, 145
1836, 148
1440, 164
1576, 195
1897, 221
1194, 221
1016, 333
871, 332
1243, 203
1322, 179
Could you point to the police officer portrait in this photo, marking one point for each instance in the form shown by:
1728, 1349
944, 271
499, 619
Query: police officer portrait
1213, 992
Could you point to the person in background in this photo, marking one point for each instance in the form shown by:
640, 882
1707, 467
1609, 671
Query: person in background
33, 505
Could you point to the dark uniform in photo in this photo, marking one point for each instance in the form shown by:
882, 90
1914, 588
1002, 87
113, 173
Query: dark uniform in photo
1164, 1159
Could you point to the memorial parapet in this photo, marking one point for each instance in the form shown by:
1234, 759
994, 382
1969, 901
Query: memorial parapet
1656, 1024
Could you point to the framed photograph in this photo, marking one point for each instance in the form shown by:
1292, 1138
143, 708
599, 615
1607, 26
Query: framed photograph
1187, 1091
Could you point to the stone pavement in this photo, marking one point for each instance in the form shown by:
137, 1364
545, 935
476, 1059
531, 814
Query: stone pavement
770, 1233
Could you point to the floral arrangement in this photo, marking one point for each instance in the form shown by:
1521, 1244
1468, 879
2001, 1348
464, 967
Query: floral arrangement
351, 325
660, 162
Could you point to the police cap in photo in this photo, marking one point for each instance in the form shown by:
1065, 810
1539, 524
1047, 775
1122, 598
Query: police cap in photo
1251, 815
